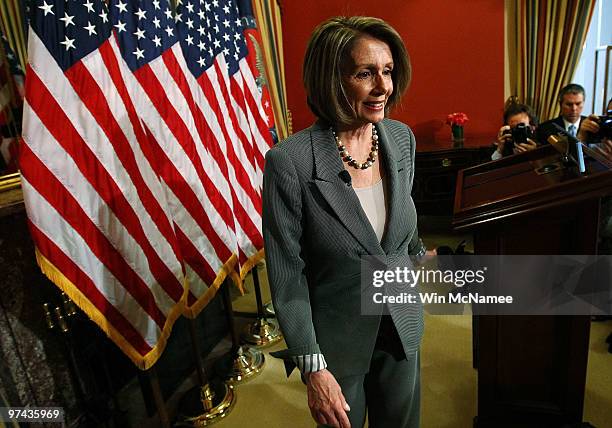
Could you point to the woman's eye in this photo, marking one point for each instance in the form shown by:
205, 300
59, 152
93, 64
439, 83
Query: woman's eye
387, 72
363, 75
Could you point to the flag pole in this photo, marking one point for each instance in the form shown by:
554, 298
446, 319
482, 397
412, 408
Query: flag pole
160, 404
210, 400
262, 332
242, 362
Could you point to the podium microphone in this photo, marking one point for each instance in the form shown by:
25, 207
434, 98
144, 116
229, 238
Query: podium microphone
573, 140
561, 131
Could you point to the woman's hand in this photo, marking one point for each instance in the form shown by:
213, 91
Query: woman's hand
502, 138
325, 399
525, 147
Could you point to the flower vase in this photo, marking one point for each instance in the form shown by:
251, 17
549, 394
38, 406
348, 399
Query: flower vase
457, 131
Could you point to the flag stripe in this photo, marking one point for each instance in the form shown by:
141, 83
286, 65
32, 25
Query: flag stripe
247, 231
95, 208
54, 118
258, 128
245, 222
248, 244
253, 233
248, 72
87, 287
59, 197
189, 200
95, 100
176, 86
148, 191
254, 94
195, 259
149, 82
219, 79
182, 184
207, 136
258, 141
242, 175
238, 102
263, 137
243, 135
49, 221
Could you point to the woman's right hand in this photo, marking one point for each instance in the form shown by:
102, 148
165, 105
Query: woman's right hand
527, 146
502, 138
325, 399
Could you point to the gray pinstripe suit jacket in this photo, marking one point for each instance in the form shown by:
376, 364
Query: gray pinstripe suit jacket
315, 232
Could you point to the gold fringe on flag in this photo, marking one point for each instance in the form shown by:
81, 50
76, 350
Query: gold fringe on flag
238, 278
227, 270
143, 362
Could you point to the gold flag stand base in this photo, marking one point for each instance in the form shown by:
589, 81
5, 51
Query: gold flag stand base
262, 333
240, 366
204, 405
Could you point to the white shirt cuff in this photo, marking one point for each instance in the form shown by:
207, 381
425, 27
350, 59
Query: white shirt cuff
310, 363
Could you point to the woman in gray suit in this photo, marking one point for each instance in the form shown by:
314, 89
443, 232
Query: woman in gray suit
333, 193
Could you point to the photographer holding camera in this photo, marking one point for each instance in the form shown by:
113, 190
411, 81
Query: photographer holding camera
596, 132
517, 134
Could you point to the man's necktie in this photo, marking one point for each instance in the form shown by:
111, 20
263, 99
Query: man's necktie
572, 130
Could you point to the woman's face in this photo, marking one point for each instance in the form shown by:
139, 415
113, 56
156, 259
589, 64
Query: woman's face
517, 119
367, 79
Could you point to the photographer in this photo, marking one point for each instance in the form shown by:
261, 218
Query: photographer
596, 132
516, 136
571, 103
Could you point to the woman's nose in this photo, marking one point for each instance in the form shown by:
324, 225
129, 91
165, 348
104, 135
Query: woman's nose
382, 83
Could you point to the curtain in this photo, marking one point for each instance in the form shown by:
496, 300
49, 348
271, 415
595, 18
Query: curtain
268, 17
547, 37
12, 26
12, 61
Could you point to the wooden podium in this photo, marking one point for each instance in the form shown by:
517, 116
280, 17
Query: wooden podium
531, 369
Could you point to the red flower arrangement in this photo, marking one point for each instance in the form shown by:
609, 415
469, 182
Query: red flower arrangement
456, 122
456, 119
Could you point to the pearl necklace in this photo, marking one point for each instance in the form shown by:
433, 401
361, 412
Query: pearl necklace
346, 157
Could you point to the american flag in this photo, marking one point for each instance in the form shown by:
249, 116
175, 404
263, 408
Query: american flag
212, 224
145, 135
222, 84
256, 62
256, 81
97, 210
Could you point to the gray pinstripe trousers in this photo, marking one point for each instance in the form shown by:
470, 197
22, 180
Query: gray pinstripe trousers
390, 391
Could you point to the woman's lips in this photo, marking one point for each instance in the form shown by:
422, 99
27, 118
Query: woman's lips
379, 105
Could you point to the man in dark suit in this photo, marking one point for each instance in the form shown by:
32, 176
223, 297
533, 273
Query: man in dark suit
571, 101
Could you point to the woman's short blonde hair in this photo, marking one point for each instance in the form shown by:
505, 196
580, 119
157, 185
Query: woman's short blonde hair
328, 50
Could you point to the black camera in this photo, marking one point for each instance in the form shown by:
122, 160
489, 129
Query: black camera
519, 134
605, 126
